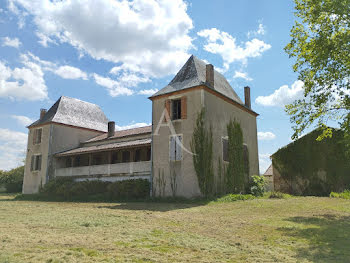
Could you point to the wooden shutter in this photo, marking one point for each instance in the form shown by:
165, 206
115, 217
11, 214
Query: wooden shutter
172, 148
178, 148
225, 149
184, 107
34, 136
167, 108
39, 162
39, 135
32, 163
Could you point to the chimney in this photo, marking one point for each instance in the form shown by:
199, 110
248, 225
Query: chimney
42, 113
209, 75
247, 97
111, 128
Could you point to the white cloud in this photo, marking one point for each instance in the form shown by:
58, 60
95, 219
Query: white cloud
68, 72
242, 75
22, 120
131, 126
260, 31
266, 136
223, 44
264, 162
11, 42
44, 39
147, 91
149, 38
114, 88
282, 96
13, 146
25, 83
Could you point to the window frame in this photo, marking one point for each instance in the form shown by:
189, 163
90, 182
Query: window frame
36, 139
34, 167
222, 148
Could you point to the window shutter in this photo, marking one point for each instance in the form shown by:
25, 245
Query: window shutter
34, 136
225, 149
184, 107
167, 108
172, 148
39, 135
39, 162
178, 148
32, 163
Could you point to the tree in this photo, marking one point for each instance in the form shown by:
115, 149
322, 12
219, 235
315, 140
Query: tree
321, 46
202, 148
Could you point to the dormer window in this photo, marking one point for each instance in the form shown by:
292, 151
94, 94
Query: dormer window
37, 136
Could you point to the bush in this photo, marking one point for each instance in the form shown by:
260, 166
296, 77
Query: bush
257, 187
234, 197
68, 189
344, 195
13, 179
278, 195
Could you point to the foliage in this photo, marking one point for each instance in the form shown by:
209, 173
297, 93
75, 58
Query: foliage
173, 181
345, 194
202, 148
67, 189
13, 179
234, 197
257, 187
235, 170
301, 162
278, 195
321, 45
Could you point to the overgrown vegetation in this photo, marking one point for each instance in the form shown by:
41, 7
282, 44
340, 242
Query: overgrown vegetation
202, 148
12, 180
258, 185
313, 167
66, 189
234, 174
345, 194
234, 197
278, 195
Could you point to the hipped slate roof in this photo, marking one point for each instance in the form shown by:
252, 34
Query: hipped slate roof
76, 113
192, 74
123, 133
106, 147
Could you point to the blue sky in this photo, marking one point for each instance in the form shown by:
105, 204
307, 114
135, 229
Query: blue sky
116, 53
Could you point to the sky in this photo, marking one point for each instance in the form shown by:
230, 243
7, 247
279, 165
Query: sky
116, 53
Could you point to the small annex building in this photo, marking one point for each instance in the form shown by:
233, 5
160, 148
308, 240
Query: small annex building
307, 166
74, 138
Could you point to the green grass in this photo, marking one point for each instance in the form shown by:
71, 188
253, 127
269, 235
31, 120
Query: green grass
298, 229
344, 195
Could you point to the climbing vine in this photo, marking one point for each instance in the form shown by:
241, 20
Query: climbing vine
202, 148
235, 170
302, 163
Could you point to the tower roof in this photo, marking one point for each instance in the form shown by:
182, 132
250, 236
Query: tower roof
192, 74
76, 113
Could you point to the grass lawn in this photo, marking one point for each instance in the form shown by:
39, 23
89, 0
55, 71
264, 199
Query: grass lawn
305, 229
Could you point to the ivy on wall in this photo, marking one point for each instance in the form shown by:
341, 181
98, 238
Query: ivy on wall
306, 159
234, 175
202, 148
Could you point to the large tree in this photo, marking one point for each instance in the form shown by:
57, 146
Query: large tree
321, 46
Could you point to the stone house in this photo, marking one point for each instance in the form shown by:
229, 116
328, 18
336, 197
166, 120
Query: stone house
74, 138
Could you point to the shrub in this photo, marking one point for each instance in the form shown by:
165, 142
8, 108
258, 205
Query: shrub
13, 179
234, 197
344, 195
278, 195
257, 187
68, 189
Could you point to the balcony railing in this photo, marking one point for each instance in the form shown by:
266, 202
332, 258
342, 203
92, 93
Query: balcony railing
126, 169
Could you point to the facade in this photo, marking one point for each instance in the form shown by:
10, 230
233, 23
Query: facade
160, 152
311, 167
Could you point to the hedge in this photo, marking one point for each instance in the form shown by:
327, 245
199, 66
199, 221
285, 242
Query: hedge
12, 180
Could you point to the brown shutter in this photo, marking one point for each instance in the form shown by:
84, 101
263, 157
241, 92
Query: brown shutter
184, 107
39, 135
167, 108
32, 163
34, 136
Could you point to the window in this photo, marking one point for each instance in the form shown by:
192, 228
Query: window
176, 109
246, 159
148, 156
126, 156
175, 148
68, 162
37, 136
225, 149
35, 163
114, 157
137, 157
76, 161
